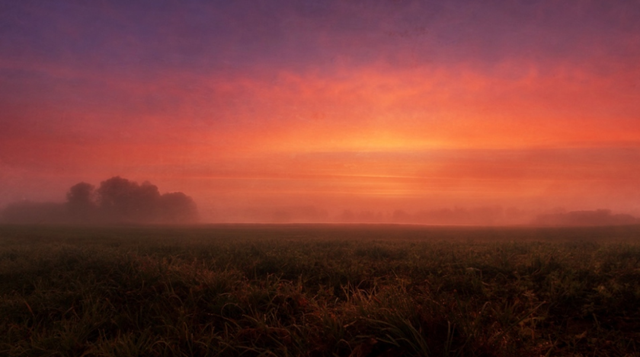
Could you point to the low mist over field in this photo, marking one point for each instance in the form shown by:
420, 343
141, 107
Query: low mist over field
119, 200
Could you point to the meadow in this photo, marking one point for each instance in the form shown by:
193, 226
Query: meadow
319, 290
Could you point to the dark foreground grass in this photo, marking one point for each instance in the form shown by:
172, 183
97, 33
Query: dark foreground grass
319, 291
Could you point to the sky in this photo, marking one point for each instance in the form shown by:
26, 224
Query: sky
310, 109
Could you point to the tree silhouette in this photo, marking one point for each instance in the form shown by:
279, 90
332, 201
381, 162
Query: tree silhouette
122, 200
117, 200
176, 207
125, 201
80, 202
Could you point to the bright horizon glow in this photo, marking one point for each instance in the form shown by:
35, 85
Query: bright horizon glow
276, 106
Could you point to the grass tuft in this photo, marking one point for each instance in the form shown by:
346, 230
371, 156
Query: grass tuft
318, 291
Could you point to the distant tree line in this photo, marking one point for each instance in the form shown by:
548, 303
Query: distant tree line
116, 200
601, 217
488, 215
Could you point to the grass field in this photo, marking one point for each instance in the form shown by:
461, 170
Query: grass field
319, 291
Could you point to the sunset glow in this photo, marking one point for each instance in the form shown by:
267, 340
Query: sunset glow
259, 107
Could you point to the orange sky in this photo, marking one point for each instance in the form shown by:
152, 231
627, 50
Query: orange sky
343, 106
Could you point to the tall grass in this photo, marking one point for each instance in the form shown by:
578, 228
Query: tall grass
318, 291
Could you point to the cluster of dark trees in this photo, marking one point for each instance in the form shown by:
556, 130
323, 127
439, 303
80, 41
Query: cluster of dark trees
601, 217
116, 200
